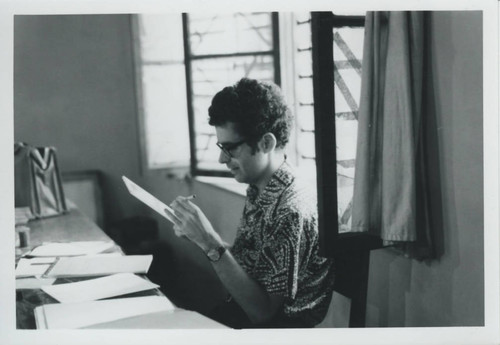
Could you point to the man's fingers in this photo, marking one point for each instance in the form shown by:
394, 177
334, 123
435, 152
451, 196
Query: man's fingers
188, 205
173, 216
178, 231
183, 206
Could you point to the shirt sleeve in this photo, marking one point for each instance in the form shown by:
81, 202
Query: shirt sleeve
277, 266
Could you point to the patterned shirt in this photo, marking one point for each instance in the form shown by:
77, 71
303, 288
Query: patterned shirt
277, 245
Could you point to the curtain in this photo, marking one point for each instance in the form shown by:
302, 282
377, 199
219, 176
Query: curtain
389, 185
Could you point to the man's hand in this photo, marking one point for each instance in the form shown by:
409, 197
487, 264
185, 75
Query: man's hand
247, 292
194, 224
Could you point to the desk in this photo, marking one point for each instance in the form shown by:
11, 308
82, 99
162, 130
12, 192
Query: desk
74, 226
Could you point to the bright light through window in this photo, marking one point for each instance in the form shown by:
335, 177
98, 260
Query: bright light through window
162, 89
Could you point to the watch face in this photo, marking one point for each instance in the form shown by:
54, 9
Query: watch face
213, 254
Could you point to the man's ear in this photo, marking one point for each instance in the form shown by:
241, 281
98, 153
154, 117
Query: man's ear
268, 142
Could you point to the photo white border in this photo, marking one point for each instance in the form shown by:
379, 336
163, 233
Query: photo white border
436, 335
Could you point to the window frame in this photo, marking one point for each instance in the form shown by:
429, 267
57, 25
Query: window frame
188, 58
322, 25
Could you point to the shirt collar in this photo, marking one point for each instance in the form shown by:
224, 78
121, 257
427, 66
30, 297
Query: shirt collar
281, 179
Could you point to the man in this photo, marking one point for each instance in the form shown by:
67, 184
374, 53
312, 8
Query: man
273, 273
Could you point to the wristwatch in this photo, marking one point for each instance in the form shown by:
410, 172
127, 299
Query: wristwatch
215, 254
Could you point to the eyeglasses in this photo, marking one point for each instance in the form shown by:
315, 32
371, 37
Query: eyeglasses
227, 148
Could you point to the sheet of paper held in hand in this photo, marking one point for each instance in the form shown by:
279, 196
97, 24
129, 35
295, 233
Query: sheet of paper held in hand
150, 200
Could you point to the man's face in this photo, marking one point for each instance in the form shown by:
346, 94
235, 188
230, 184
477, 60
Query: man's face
245, 166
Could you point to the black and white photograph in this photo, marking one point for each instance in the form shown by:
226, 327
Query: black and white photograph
283, 173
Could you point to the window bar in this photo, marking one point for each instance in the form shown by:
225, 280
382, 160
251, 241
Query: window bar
189, 93
276, 48
344, 89
326, 155
351, 58
298, 22
350, 21
301, 50
226, 55
347, 115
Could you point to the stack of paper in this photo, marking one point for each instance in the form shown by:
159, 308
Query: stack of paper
71, 248
178, 319
33, 283
40, 266
33, 267
81, 266
94, 289
84, 314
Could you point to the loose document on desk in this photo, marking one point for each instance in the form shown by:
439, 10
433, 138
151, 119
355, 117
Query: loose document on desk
76, 248
99, 288
33, 267
84, 266
84, 314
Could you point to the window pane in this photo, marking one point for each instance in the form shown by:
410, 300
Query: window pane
230, 33
165, 115
348, 52
160, 37
209, 77
162, 87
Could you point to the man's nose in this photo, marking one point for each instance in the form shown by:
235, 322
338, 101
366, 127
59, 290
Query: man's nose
223, 158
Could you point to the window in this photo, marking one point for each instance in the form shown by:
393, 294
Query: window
337, 52
347, 32
186, 58
161, 90
221, 49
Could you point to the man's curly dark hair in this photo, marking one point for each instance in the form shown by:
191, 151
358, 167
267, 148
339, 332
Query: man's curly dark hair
256, 108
